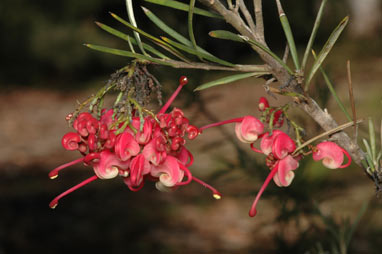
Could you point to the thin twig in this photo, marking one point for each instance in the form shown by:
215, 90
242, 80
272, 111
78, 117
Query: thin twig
259, 19
328, 133
207, 66
247, 15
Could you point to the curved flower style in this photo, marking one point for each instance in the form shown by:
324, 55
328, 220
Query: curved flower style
150, 148
331, 154
282, 175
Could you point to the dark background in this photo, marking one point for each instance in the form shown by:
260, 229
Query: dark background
45, 69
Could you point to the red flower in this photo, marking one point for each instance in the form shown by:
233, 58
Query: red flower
331, 154
155, 150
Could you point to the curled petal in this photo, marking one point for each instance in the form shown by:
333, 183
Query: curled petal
139, 167
92, 125
107, 117
152, 154
110, 142
70, 141
192, 131
103, 132
267, 141
126, 146
285, 175
263, 104
144, 136
81, 128
176, 143
108, 165
282, 146
169, 172
331, 154
249, 129
92, 142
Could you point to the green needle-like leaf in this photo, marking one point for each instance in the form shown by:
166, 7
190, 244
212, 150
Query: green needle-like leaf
191, 28
372, 140
225, 35
290, 40
130, 13
325, 50
333, 91
194, 52
165, 28
127, 38
184, 7
313, 34
120, 52
228, 79
157, 41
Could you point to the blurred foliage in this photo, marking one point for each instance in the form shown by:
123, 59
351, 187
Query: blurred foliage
42, 42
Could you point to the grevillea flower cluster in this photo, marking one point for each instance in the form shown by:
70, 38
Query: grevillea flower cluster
144, 148
152, 147
282, 158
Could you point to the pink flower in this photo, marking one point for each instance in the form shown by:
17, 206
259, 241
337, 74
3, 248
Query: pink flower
144, 136
109, 165
263, 104
285, 175
267, 141
70, 141
138, 168
331, 154
168, 172
282, 145
281, 174
151, 153
249, 129
126, 146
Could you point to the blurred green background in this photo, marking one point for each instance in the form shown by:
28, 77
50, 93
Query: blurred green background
45, 69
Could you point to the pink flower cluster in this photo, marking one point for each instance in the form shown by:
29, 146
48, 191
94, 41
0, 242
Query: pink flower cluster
280, 151
152, 149
279, 148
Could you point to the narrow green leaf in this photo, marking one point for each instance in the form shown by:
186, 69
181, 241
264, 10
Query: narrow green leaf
368, 155
194, 52
127, 38
372, 140
157, 41
333, 91
130, 14
228, 79
165, 28
313, 34
290, 40
184, 7
325, 50
267, 50
225, 35
125, 53
191, 28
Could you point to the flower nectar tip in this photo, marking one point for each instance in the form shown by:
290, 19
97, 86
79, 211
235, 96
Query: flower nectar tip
217, 196
53, 175
252, 212
183, 80
53, 204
